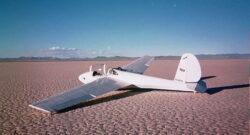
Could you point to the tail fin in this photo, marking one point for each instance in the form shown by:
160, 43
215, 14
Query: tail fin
189, 69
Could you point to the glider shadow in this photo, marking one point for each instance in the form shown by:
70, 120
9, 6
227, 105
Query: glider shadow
207, 77
218, 89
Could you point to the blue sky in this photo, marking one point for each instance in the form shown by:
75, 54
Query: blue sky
89, 28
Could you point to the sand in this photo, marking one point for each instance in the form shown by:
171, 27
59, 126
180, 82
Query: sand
223, 110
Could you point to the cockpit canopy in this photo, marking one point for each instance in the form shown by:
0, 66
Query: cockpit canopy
98, 69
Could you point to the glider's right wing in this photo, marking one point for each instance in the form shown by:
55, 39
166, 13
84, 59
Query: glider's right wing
139, 66
79, 94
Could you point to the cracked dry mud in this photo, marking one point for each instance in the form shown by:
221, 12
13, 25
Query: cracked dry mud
222, 111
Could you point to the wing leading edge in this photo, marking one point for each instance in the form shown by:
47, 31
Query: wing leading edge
79, 94
140, 65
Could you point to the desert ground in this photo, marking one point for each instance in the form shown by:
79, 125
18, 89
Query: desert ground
222, 110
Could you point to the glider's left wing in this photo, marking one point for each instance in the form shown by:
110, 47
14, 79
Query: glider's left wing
139, 66
79, 94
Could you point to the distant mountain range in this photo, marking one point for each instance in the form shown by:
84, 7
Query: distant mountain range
103, 58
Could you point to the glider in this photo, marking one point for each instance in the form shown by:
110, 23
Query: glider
98, 81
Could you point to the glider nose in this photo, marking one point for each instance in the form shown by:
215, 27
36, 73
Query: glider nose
83, 78
89, 77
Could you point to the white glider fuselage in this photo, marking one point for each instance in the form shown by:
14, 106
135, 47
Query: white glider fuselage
187, 77
141, 81
150, 82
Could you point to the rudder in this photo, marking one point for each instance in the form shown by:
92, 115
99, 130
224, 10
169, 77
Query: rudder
189, 69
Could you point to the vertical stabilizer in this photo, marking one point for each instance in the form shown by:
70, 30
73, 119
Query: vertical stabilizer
189, 69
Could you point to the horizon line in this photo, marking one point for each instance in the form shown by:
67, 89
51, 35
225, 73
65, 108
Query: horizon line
204, 54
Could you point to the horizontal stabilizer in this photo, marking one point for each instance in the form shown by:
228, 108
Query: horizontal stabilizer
78, 95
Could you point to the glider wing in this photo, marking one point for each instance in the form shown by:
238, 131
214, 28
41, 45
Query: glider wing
139, 66
79, 94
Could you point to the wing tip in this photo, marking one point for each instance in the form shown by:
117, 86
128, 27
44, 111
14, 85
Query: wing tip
41, 109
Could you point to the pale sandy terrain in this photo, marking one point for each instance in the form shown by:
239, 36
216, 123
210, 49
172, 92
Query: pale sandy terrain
223, 110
